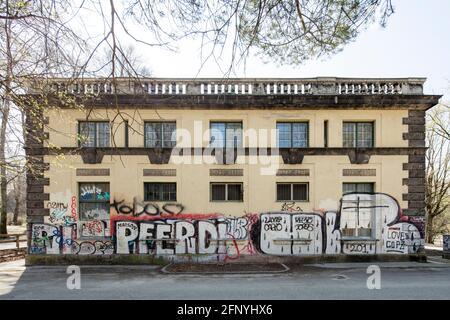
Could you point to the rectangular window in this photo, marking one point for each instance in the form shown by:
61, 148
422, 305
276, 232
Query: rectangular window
292, 134
94, 198
358, 213
160, 134
358, 187
325, 133
126, 133
93, 133
226, 134
292, 191
160, 191
226, 192
358, 134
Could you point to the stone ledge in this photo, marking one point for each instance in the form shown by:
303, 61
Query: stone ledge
359, 172
134, 259
92, 172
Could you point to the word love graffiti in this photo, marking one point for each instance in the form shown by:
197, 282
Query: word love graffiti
139, 208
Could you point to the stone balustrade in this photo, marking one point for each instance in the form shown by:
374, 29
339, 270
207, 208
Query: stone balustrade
239, 86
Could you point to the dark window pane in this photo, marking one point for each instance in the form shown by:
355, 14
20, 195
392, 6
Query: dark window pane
160, 191
283, 191
300, 192
357, 187
234, 192
218, 192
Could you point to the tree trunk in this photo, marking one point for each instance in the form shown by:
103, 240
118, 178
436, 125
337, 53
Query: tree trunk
429, 230
5, 117
17, 194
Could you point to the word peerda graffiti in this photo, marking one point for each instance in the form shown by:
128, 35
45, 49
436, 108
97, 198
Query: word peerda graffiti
367, 223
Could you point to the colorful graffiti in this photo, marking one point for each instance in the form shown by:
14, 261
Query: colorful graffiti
365, 224
59, 212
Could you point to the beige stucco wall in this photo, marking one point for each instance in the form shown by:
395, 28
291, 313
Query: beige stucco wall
193, 181
63, 124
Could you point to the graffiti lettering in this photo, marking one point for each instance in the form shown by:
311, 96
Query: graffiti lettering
146, 208
291, 207
146, 228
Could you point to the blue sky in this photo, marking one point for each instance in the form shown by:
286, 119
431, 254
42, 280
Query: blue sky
415, 43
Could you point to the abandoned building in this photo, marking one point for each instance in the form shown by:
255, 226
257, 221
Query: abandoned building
218, 169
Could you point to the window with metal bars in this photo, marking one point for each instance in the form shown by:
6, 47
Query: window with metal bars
160, 191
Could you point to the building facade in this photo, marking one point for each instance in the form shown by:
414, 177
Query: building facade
219, 169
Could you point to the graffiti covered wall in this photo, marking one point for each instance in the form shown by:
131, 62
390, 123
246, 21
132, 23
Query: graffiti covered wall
365, 224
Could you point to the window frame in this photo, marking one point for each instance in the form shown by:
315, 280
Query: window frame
226, 191
225, 136
161, 134
96, 122
291, 140
292, 191
356, 234
355, 140
160, 192
80, 202
358, 183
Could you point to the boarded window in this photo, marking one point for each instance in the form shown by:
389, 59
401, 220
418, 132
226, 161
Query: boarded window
94, 199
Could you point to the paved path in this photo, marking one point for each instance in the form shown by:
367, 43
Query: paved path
400, 280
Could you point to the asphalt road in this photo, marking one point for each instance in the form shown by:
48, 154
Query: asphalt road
407, 280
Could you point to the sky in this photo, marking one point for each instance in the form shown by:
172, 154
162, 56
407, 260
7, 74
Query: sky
415, 43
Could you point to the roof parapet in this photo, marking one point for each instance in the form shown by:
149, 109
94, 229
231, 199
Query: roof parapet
234, 86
